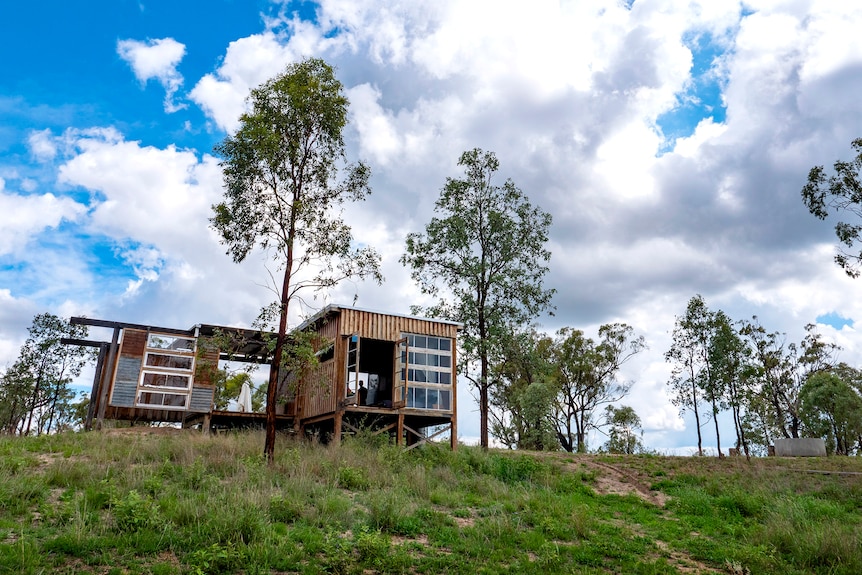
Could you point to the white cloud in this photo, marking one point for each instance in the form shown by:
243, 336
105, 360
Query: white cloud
156, 59
42, 145
568, 96
23, 217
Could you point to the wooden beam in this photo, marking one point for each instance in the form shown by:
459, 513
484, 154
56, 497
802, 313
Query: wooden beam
336, 433
107, 378
428, 438
383, 429
399, 429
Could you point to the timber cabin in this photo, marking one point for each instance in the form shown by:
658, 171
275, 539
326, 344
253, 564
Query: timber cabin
393, 374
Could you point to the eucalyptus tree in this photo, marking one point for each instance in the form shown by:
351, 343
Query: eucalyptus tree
732, 372
780, 370
282, 193
483, 257
841, 192
689, 354
587, 378
625, 430
522, 392
830, 408
34, 391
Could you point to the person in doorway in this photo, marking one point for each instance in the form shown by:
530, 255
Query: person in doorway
363, 393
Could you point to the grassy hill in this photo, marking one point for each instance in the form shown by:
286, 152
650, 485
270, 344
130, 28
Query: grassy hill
173, 502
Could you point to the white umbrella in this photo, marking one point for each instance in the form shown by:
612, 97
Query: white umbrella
244, 399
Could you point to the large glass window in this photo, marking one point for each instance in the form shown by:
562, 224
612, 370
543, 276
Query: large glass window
162, 360
429, 359
167, 374
150, 399
171, 342
429, 372
429, 398
151, 379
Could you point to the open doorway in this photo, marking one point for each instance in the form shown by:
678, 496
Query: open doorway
370, 364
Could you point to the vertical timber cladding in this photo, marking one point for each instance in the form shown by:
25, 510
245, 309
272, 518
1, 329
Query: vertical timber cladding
125, 384
323, 393
390, 327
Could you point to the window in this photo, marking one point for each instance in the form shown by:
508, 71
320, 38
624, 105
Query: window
429, 398
169, 361
151, 379
429, 372
170, 342
429, 359
168, 372
150, 399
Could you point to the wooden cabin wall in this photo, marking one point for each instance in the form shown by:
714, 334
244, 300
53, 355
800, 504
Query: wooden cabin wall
321, 395
325, 390
389, 327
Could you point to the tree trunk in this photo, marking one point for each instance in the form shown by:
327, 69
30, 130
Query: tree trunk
696, 417
717, 435
275, 366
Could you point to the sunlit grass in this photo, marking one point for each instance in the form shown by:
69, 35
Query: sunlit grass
174, 503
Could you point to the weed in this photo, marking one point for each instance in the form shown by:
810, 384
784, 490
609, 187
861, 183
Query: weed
134, 512
212, 560
353, 478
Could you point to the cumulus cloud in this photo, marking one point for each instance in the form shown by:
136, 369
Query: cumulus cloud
572, 97
24, 216
156, 59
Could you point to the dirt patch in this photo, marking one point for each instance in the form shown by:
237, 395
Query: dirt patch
611, 480
683, 562
615, 481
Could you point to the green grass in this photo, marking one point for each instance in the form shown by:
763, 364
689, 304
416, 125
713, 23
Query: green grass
182, 503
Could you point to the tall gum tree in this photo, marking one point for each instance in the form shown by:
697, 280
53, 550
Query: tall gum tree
586, 373
282, 194
484, 257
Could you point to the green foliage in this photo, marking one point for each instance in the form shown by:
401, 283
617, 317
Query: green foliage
134, 512
213, 560
841, 192
832, 409
353, 478
624, 423
485, 247
283, 195
513, 470
34, 393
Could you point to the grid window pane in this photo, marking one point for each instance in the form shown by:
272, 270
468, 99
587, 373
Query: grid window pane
433, 399
419, 398
170, 342
169, 361
165, 380
444, 400
445, 344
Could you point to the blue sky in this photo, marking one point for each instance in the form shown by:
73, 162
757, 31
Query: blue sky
669, 140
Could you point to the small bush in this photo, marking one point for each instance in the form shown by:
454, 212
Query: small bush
353, 478
373, 547
213, 560
134, 512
